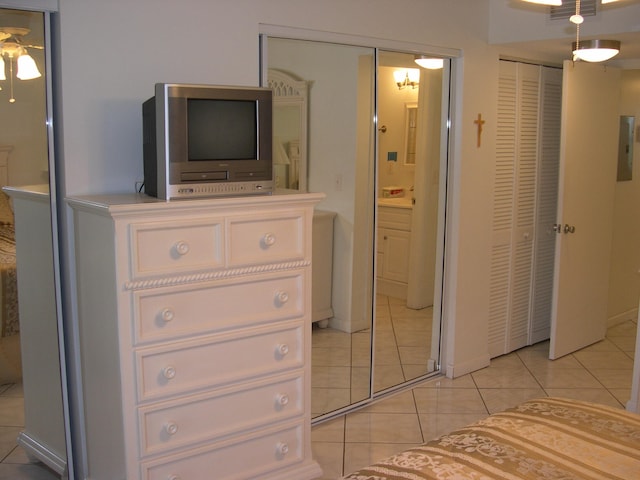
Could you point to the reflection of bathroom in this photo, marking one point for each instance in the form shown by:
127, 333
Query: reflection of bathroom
344, 232
397, 122
407, 203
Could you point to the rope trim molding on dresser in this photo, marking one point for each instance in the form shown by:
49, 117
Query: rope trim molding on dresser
214, 275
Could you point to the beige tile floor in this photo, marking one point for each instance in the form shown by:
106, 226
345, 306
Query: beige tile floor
341, 361
601, 373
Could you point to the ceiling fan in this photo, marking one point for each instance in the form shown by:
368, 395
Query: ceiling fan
15, 50
587, 50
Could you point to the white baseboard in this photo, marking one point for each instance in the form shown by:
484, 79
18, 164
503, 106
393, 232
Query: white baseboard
37, 449
622, 317
459, 369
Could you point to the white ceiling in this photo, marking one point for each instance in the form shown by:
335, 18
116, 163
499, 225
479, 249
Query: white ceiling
615, 21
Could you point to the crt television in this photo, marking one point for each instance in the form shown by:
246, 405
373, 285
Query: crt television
207, 141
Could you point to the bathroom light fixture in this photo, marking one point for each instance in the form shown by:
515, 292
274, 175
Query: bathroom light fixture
407, 77
429, 62
12, 48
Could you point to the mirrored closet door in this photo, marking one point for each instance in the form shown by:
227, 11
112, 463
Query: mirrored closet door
30, 365
378, 236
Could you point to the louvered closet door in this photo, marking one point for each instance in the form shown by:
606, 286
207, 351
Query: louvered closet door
516, 205
546, 204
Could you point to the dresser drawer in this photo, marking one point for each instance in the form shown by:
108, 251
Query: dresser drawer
204, 363
194, 419
249, 457
266, 239
171, 312
161, 248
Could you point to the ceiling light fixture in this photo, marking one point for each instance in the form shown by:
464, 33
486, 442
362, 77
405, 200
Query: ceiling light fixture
557, 3
429, 63
12, 48
595, 50
591, 50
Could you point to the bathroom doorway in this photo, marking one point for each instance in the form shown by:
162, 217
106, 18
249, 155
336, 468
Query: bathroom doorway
412, 115
341, 81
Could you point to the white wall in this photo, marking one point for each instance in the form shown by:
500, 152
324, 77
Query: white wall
624, 284
104, 76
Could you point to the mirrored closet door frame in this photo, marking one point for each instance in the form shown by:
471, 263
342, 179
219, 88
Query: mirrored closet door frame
48, 8
369, 194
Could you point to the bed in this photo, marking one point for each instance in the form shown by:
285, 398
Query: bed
548, 438
10, 364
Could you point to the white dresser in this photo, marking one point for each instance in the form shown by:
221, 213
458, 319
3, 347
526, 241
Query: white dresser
195, 333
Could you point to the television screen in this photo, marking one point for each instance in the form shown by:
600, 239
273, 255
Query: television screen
221, 129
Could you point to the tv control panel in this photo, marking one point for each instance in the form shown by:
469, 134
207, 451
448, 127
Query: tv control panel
219, 189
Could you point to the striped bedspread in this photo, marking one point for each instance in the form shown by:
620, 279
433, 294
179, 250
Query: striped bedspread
548, 438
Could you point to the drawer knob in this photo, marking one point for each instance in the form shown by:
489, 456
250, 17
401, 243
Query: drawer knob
282, 449
167, 314
282, 298
282, 349
171, 428
169, 372
282, 399
182, 247
268, 239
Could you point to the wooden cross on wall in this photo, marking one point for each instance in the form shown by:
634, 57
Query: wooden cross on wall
479, 122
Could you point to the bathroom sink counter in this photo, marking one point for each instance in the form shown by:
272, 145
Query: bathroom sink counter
397, 202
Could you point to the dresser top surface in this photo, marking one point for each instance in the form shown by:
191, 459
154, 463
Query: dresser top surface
131, 202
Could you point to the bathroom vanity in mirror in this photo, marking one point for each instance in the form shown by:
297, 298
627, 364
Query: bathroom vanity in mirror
393, 246
195, 329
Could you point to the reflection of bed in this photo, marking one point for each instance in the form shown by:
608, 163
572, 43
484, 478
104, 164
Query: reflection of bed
550, 438
10, 365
